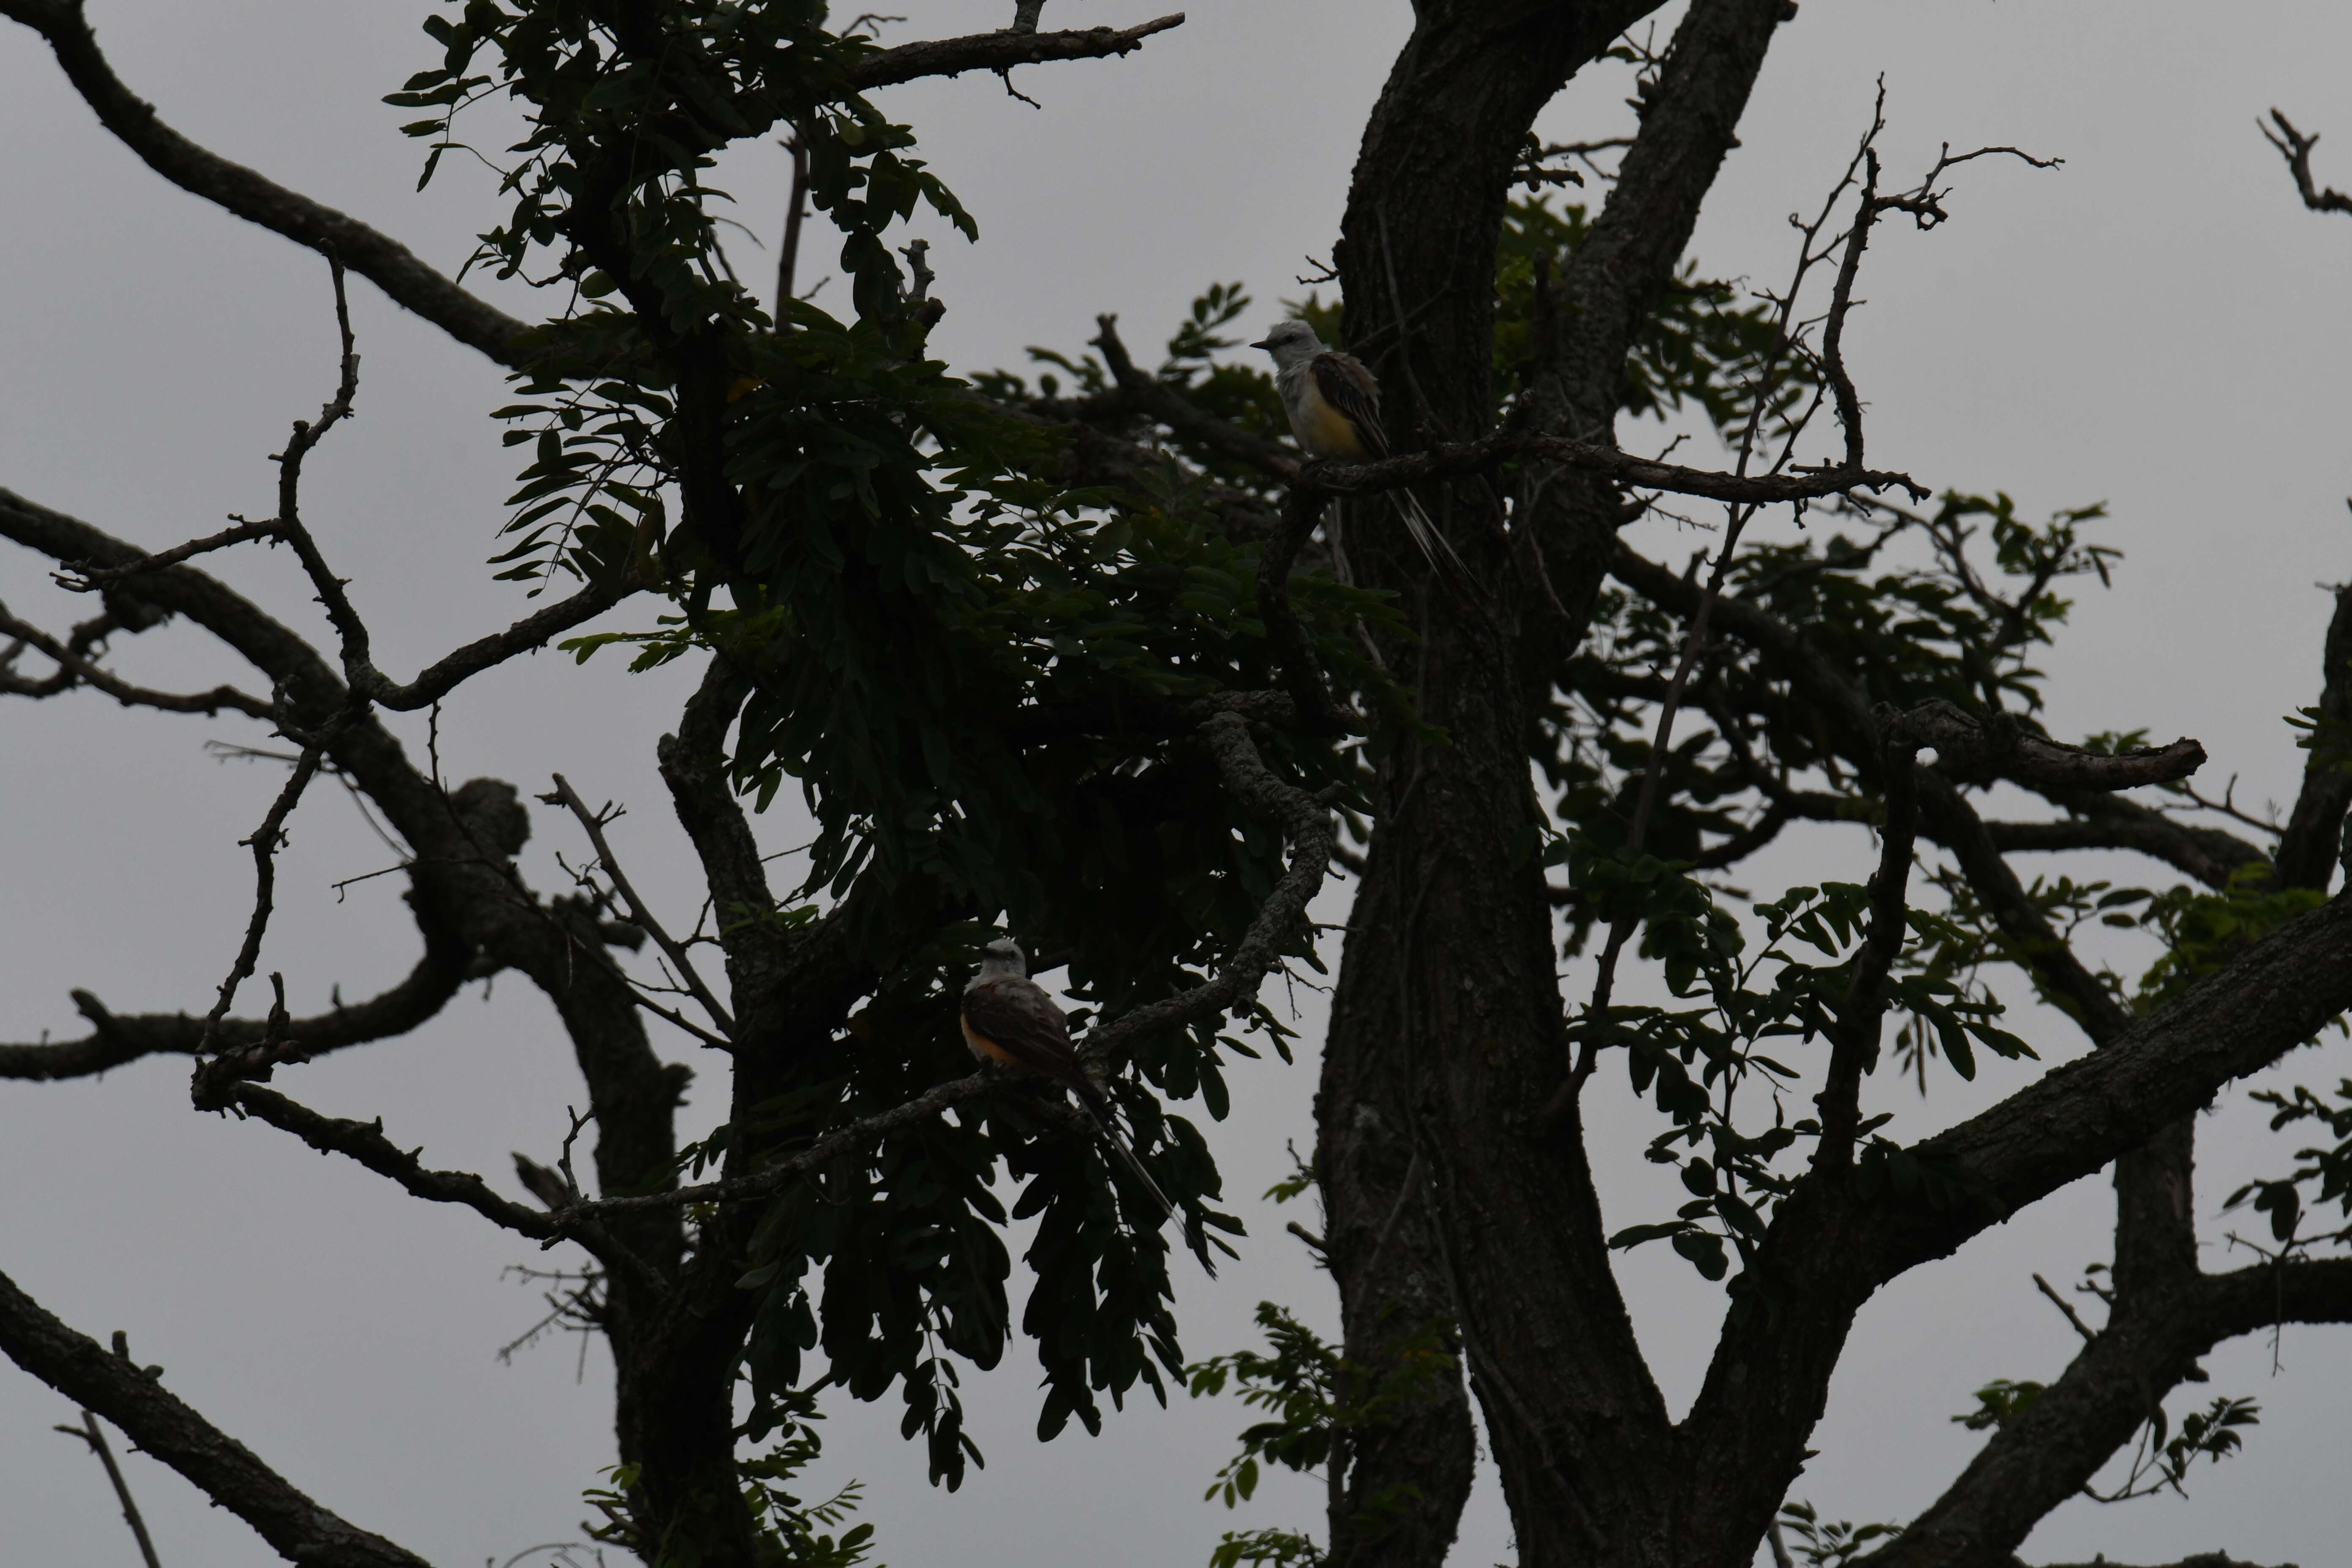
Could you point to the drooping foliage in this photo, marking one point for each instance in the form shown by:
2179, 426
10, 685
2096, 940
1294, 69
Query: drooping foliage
982, 680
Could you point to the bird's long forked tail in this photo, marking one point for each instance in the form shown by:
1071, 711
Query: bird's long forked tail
1099, 1109
1424, 532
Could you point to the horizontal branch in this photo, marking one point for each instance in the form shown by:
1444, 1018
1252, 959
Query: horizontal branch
1970, 749
381, 260
266, 643
364, 1143
1154, 397
533, 631
999, 51
1040, 723
114, 1041
2208, 853
1454, 459
83, 672
163, 1427
83, 579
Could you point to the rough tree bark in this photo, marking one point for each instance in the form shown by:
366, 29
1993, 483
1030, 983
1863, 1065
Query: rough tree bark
1447, 1025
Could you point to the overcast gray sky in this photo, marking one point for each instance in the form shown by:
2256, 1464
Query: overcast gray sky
2158, 325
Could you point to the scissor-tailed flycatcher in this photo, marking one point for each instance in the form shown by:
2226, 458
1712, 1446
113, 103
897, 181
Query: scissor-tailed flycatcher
1335, 412
1008, 1019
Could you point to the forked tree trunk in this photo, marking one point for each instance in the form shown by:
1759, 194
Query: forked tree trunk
1449, 1195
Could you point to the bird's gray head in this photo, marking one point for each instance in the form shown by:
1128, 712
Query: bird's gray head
1290, 343
1002, 956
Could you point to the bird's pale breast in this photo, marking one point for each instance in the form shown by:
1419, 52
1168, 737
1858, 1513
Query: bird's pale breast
1321, 429
983, 1047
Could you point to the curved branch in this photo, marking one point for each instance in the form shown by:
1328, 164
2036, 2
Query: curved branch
2160, 1067
2101, 822
75, 670
1155, 398
2314, 829
1000, 51
1452, 459
1969, 748
364, 1143
2045, 1455
437, 679
219, 1466
2295, 148
391, 266
114, 1041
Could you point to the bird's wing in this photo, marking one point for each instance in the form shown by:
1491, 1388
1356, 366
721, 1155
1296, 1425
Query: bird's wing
1349, 388
1018, 1018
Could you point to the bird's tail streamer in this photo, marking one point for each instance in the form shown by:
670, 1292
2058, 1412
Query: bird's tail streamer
1424, 532
1099, 1109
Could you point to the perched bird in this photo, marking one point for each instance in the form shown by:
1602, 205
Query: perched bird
1008, 1019
1335, 412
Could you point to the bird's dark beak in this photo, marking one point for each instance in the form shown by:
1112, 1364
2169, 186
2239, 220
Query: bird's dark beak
1267, 343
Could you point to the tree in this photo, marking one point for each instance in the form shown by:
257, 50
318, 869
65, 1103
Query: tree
1102, 662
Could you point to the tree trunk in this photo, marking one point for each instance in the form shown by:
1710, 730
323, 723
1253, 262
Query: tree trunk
1447, 1030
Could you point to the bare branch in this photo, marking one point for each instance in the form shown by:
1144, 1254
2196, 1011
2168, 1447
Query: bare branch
264, 844
533, 631
1171, 408
82, 671
1448, 460
217, 1465
2295, 148
2065, 1307
114, 1041
999, 51
288, 523
386, 262
788, 255
1969, 748
592, 822
2103, 822
94, 1436
364, 1143
82, 579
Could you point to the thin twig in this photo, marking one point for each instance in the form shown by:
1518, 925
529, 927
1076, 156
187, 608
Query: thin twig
2066, 1307
593, 824
264, 844
91, 1433
2295, 148
82, 577
74, 667
788, 258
